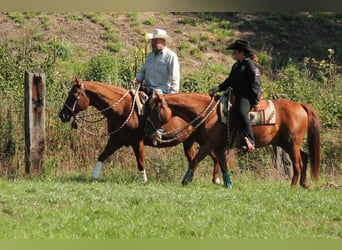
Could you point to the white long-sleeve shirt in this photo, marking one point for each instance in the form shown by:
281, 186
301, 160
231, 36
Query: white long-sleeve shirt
161, 71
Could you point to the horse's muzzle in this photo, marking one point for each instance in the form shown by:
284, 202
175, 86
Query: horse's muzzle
64, 117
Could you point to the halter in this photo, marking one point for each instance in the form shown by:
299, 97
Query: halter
179, 132
72, 110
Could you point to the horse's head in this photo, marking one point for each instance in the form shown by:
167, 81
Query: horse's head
160, 113
76, 101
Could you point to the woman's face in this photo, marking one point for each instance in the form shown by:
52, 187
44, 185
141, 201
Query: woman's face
238, 55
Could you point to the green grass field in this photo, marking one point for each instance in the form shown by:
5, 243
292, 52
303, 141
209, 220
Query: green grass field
77, 208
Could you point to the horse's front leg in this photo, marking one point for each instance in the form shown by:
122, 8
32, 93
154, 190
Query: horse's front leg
189, 150
138, 149
216, 178
202, 152
111, 147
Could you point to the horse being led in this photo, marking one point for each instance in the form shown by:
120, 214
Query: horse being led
293, 121
125, 126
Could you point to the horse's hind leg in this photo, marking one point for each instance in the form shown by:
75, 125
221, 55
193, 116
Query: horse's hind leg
303, 180
297, 163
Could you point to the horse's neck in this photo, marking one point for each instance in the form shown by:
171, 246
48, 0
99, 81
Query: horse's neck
187, 106
103, 96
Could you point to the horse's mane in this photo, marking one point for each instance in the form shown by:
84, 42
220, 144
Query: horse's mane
188, 99
187, 105
100, 86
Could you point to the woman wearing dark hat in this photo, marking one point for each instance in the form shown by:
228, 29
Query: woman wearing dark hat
245, 81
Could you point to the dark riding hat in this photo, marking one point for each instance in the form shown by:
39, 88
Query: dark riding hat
241, 45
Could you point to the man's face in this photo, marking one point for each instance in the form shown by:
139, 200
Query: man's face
157, 44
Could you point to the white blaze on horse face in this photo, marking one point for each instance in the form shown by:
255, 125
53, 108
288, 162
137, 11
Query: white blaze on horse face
97, 170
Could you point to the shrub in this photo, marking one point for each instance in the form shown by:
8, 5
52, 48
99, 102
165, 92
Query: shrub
61, 49
149, 21
113, 47
101, 67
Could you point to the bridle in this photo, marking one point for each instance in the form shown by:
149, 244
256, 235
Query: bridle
79, 118
179, 132
72, 109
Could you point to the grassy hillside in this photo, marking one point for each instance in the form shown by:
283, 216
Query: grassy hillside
203, 36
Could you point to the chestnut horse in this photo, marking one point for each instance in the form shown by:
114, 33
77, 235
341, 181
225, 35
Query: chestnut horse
125, 126
293, 121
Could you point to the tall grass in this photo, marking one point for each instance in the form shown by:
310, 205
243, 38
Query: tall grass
75, 208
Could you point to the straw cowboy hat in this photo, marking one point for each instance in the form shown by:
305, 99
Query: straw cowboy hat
241, 45
158, 33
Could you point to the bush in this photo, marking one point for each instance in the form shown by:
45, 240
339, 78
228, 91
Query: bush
306, 84
101, 68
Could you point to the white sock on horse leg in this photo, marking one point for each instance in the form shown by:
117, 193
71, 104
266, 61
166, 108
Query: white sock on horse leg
144, 176
97, 170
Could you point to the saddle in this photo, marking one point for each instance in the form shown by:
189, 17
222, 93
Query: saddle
266, 115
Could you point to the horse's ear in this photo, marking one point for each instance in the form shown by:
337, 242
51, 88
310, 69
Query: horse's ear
78, 82
157, 95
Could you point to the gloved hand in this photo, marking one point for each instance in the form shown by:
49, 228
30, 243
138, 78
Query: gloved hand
213, 91
135, 80
256, 107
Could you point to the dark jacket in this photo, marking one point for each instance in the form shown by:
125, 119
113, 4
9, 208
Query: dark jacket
245, 79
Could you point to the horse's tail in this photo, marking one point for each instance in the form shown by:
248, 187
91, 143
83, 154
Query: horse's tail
314, 141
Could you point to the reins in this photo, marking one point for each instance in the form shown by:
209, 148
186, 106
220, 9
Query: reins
229, 132
179, 132
78, 118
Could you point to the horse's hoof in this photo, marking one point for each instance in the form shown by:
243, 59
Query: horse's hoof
305, 185
185, 182
229, 186
217, 181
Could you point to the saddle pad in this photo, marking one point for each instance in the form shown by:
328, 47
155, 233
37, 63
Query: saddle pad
140, 101
262, 117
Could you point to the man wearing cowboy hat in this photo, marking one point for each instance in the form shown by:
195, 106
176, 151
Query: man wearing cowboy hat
245, 81
161, 68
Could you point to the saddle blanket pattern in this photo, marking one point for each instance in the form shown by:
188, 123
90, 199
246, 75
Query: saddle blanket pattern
265, 116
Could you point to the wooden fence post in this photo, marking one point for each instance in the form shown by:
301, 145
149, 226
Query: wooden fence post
34, 120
